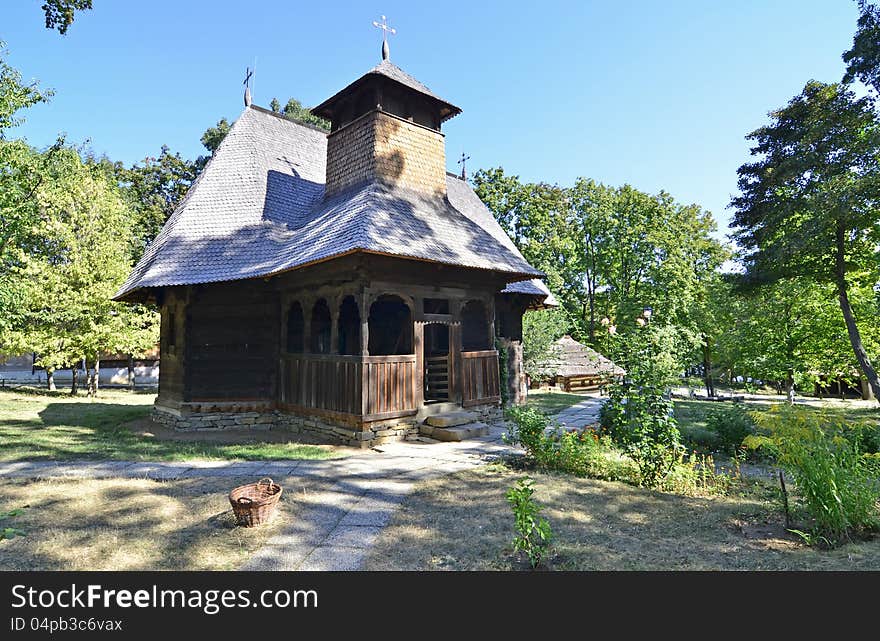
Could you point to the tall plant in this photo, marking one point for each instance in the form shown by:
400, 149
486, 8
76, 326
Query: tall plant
638, 413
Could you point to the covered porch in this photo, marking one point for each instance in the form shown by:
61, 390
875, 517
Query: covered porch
366, 355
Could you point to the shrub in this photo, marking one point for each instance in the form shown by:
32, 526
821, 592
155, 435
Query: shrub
833, 478
533, 531
699, 438
639, 419
695, 475
732, 424
584, 454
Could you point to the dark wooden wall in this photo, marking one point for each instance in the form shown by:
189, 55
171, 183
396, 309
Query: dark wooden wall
171, 346
232, 342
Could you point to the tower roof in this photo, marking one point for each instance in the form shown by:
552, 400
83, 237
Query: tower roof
389, 70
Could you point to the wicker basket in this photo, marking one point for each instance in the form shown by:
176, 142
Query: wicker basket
254, 503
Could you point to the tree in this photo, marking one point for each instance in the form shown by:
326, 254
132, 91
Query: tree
541, 329
275, 106
60, 13
80, 255
213, 136
808, 203
21, 174
863, 60
153, 189
294, 110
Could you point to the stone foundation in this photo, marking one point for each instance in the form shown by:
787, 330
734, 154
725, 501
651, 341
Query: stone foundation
310, 428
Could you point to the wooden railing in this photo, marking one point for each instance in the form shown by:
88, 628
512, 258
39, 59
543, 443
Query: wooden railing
389, 385
366, 387
322, 381
480, 382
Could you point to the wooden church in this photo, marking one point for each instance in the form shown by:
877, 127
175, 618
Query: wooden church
340, 285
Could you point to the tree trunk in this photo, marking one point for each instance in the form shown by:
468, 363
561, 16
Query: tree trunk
93, 378
50, 379
74, 380
855, 338
130, 372
707, 368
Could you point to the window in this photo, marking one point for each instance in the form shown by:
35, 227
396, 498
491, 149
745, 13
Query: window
436, 306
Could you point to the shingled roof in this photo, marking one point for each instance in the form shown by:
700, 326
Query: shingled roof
576, 359
258, 209
389, 70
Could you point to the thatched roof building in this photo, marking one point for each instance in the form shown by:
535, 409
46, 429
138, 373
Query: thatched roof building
583, 368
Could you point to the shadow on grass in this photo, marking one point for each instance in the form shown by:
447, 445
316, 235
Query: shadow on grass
130, 525
463, 522
100, 430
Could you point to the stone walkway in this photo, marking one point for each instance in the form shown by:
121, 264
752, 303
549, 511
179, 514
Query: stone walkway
334, 528
585, 412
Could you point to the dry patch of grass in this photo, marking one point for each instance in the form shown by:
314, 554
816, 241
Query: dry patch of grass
131, 524
463, 522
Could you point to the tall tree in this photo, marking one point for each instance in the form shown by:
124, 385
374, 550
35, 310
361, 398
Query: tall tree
153, 188
60, 13
80, 255
808, 203
213, 136
863, 59
21, 174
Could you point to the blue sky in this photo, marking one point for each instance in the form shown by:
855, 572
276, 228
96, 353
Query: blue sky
655, 94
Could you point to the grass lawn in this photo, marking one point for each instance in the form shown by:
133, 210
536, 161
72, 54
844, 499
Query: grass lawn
116, 426
463, 522
691, 415
132, 524
552, 402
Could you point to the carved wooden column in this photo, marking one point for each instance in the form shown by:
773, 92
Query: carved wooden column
308, 306
333, 303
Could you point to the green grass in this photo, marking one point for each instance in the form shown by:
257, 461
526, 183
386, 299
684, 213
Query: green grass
552, 402
57, 426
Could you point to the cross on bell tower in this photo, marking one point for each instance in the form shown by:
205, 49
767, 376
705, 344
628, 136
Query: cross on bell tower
386, 30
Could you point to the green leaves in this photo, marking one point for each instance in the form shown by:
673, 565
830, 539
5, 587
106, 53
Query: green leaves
534, 534
11, 532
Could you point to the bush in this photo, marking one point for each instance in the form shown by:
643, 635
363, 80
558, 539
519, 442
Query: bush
833, 478
700, 439
584, 454
732, 424
639, 419
695, 475
533, 531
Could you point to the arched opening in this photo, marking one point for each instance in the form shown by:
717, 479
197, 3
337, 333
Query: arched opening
349, 326
391, 327
474, 327
295, 329
320, 340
